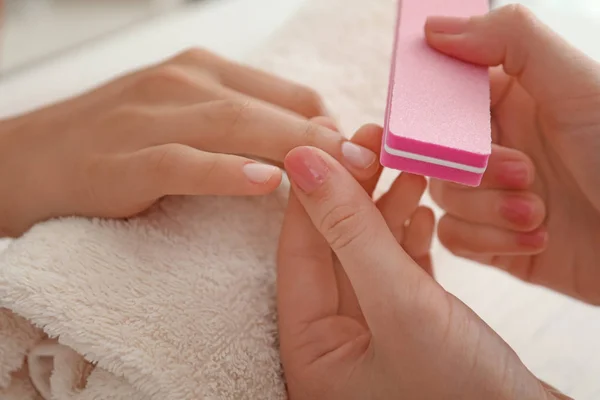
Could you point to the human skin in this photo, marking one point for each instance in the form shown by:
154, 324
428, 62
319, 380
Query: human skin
536, 214
192, 125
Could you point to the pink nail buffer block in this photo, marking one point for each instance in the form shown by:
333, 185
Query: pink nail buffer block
438, 113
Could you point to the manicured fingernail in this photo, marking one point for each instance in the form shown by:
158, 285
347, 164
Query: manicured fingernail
517, 210
516, 174
306, 168
259, 173
447, 25
536, 239
358, 156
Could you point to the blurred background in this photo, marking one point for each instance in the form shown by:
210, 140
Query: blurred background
38, 29
34, 29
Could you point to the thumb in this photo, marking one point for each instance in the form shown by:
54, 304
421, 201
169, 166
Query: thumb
383, 276
547, 66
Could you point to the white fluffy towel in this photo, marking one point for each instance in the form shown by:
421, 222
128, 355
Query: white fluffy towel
179, 303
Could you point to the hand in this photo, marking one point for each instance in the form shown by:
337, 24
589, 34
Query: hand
537, 212
358, 317
179, 128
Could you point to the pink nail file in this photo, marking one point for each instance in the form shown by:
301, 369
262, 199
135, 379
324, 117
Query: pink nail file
438, 113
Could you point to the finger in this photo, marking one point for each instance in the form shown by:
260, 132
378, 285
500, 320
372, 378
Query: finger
370, 137
251, 129
256, 83
507, 169
347, 302
401, 201
306, 285
327, 122
419, 236
500, 84
175, 169
465, 238
382, 274
528, 50
401, 205
513, 210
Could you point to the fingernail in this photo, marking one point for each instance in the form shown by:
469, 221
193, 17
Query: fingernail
517, 210
259, 173
447, 25
536, 239
358, 156
515, 174
306, 168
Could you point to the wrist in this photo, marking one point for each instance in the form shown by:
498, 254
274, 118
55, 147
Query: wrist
21, 191
8, 211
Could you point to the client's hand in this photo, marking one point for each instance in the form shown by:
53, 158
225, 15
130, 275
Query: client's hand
359, 318
179, 128
535, 216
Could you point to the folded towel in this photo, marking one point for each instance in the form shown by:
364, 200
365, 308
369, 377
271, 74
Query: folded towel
177, 304
180, 303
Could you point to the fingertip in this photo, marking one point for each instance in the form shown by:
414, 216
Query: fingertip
420, 182
536, 240
445, 25
411, 183
516, 174
363, 162
308, 168
295, 154
467, 239
445, 43
508, 169
369, 129
274, 183
369, 136
263, 178
523, 212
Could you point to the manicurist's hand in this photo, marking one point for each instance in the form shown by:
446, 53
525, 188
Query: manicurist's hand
190, 126
359, 316
537, 212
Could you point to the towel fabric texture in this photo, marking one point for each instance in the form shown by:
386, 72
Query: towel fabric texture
179, 303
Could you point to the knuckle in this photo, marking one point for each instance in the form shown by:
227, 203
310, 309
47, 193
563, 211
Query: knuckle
209, 170
518, 14
230, 114
164, 76
517, 24
343, 225
195, 55
162, 164
310, 134
127, 121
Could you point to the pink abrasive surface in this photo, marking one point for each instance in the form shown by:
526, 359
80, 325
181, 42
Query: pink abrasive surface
438, 112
